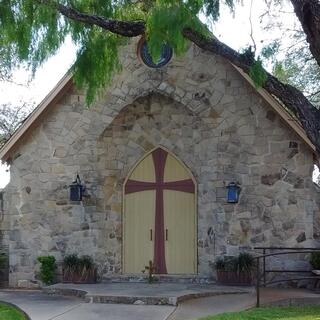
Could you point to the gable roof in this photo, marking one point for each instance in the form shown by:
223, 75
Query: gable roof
66, 82
292, 122
54, 95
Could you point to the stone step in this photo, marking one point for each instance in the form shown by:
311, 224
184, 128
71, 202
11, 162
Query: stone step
187, 279
142, 293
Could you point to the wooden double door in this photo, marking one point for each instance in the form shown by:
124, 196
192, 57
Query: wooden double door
160, 216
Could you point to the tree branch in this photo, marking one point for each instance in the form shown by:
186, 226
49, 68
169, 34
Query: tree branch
291, 97
123, 28
313, 93
308, 13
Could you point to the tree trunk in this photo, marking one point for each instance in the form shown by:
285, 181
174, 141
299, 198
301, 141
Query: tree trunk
308, 12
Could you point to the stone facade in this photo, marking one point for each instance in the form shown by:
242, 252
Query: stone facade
202, 110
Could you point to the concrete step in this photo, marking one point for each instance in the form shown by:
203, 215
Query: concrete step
133, 278
142, 293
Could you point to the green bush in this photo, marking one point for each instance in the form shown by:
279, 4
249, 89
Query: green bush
86, 262
315, 260
244, 262
220, 264
72, 263
47, 269
3, 259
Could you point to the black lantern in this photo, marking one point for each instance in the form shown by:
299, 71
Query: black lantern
76, 190
233, 192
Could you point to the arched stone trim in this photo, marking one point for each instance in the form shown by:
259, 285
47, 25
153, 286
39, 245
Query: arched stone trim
142, 81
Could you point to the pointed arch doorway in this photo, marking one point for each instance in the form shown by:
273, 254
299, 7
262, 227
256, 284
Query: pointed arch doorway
159, 220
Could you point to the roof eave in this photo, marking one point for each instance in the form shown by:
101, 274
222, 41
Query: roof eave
279, 109
53, 95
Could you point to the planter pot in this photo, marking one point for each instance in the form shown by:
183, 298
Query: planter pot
87, 276
234, 278
316, 285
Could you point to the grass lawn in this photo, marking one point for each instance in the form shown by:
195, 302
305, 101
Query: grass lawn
8, 312
275, 313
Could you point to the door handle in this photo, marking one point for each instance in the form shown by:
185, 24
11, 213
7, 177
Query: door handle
150, 234
166, 234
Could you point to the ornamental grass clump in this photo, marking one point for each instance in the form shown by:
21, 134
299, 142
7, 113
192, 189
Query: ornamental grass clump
79, 269
235, 270
3, 259
70, 263
315, 260
245, 262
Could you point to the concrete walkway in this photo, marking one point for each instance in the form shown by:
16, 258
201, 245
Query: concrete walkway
198, 308
41, 306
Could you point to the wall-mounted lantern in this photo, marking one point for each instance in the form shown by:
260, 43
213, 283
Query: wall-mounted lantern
76, 190
233, 192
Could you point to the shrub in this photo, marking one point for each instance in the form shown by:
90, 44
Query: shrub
315, 260
86, 262
244, 262
235, 270
47, 269
220, 264
78, 269
71, 262
3, 259
231, 264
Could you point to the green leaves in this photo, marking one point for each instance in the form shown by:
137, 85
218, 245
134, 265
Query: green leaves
47, 269
269, 51
166, 21
97, 60
211, 8
258, 74
34, 30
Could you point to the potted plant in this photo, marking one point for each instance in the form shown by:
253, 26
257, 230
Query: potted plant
315, 260
315, 263
245, 267
79, 269
226, 269
235, 270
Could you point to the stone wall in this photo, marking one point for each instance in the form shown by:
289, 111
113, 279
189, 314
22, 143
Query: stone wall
208, 117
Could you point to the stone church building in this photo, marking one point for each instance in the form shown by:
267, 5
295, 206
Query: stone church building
156, 153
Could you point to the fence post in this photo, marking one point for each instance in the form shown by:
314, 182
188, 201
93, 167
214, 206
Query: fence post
258, 283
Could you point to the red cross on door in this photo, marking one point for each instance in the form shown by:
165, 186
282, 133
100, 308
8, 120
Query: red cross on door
160, 187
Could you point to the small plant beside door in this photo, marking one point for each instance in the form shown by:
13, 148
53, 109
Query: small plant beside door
150, 269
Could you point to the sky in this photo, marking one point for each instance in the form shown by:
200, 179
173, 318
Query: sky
232, 29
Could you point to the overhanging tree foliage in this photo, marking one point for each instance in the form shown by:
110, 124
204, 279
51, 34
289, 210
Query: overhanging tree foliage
33, 30
11, 117
290, 56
